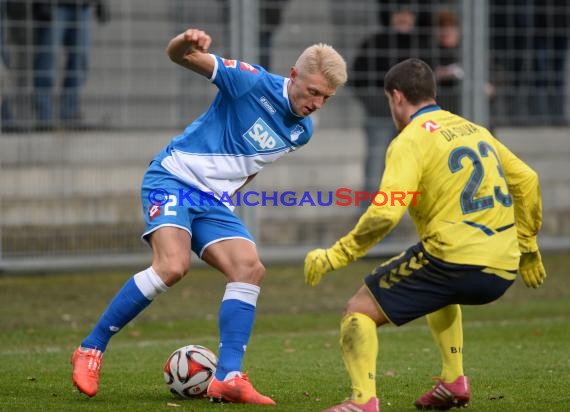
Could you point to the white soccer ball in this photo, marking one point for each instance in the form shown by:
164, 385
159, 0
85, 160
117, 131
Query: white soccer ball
189, 370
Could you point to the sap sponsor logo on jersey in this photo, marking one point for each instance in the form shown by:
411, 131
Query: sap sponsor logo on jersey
430, 126
262, 137
296, 132
267, 105
232, 64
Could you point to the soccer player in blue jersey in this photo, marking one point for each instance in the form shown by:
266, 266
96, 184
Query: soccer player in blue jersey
478, 216
255, 118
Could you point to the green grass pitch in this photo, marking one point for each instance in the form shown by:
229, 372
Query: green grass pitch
517, 350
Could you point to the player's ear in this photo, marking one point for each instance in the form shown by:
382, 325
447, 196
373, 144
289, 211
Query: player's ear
393, 96
294, 73
398, 96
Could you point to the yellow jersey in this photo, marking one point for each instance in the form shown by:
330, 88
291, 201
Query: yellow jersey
475, 202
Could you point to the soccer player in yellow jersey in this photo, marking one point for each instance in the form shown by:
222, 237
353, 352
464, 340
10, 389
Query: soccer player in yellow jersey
477, 217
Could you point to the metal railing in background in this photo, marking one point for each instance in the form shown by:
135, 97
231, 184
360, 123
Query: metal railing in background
69, 187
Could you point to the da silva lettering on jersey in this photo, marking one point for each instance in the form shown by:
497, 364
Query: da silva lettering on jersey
450, 131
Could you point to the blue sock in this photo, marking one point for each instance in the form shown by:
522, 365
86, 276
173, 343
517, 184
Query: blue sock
237, 314
125, 306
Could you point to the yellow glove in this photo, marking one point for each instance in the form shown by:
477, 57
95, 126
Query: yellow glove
319, 262
531, 269
316, 265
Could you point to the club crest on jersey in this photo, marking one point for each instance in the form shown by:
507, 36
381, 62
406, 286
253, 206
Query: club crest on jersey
430, 126
262, 137
296, 132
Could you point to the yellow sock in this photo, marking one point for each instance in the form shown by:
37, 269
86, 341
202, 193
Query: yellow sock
359, 345
447, 330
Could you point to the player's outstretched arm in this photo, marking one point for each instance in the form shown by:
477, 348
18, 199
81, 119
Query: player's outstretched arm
524, 188
190, 50
374, 224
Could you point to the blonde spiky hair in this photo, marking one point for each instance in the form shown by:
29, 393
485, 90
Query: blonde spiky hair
324, 59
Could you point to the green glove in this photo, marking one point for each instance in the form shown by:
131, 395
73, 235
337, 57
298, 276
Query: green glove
531, 269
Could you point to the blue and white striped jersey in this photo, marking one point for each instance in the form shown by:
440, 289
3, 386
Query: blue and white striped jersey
249, 124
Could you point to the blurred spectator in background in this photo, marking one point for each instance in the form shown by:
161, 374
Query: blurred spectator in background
422, 10
509, 52
65, 23
270, 16
400, 37
550, 46
446, 62
529, 41
15, 42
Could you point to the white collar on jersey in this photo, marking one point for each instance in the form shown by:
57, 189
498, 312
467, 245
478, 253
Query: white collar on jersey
286, 96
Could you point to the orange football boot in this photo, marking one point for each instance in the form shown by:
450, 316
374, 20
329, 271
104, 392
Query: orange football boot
86, 366
238, 390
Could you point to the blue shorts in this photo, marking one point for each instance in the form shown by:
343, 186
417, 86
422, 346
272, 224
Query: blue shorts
168, 201
415, 284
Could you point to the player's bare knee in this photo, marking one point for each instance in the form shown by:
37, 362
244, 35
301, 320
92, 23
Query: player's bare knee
255, 273
351, 306
362, 303
258, 273
173, 270
249, 272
